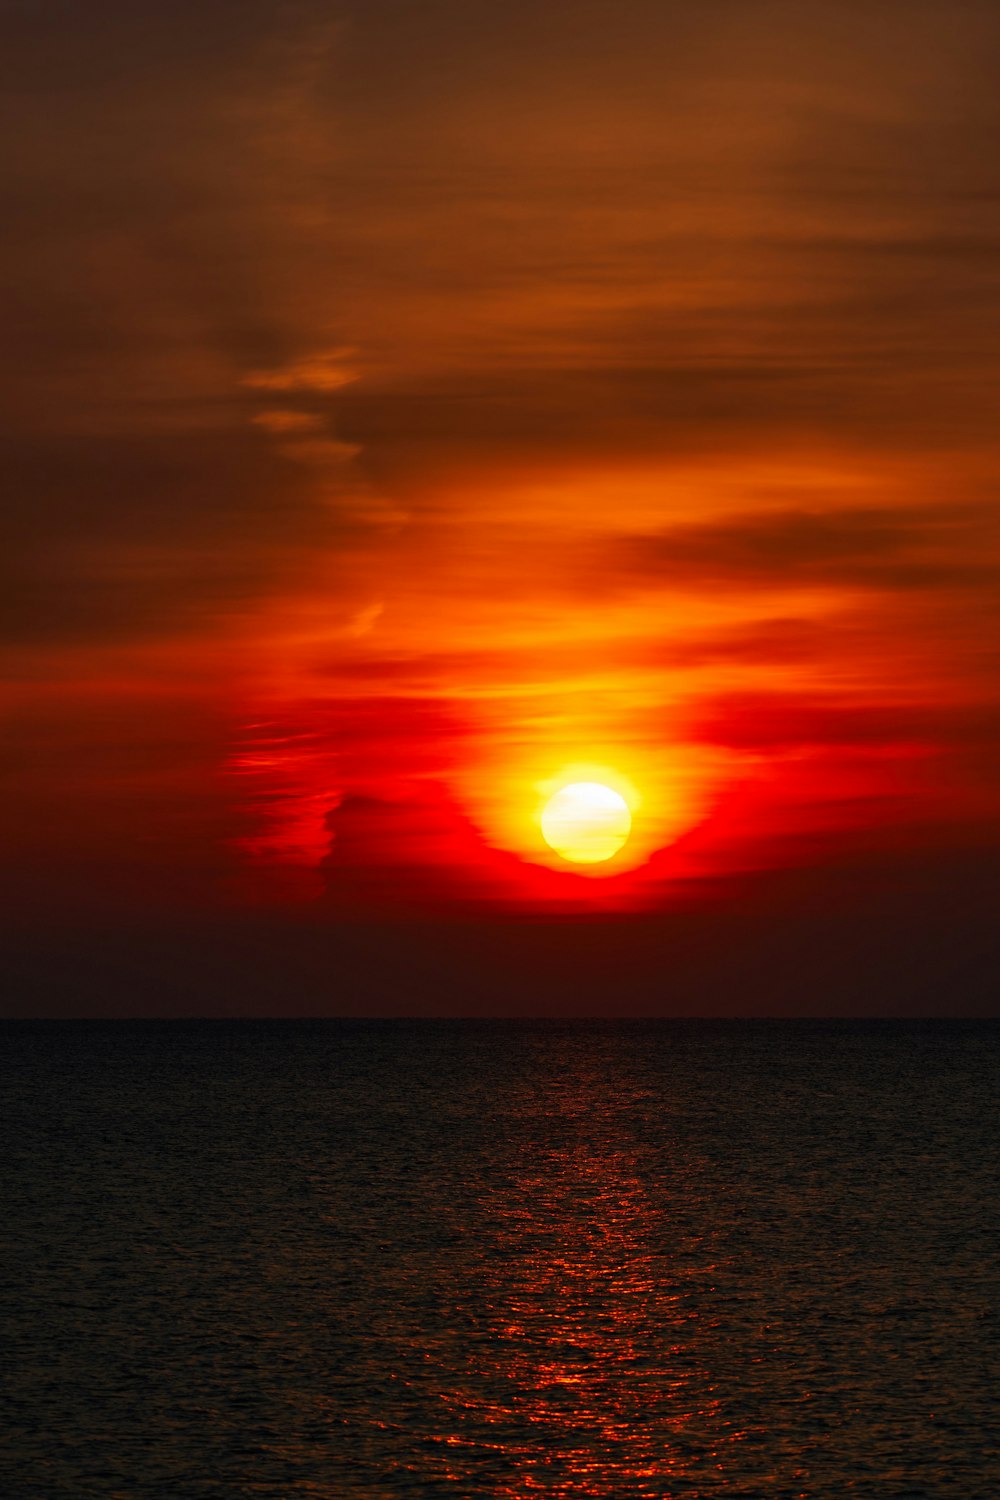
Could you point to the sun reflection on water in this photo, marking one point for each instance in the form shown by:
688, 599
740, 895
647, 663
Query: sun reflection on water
588, 1377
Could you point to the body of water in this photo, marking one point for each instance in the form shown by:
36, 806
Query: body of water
366, 1260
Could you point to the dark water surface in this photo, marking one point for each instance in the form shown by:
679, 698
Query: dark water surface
344, 1260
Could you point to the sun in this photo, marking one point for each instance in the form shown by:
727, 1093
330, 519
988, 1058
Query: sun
586, 822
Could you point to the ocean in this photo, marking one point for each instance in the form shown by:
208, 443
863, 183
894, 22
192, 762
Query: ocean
361, 1260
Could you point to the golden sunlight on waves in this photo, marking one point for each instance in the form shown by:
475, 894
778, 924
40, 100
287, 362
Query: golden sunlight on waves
593, 1381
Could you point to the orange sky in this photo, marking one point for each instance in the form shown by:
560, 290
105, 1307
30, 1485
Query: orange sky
407, 405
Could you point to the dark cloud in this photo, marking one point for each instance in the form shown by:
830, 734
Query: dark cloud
586, 230
118, 538
143, 230
910, 548
782, 721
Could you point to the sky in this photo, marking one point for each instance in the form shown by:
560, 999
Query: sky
410, 409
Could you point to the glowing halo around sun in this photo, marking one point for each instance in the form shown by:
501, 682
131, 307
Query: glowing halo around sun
586, 822
633, 806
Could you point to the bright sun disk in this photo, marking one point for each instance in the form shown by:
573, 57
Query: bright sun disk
586, 822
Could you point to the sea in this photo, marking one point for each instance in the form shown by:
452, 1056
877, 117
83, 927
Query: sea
367, 1260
